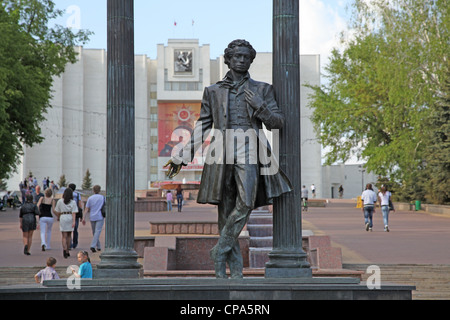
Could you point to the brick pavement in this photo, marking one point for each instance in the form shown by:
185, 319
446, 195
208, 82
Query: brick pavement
415, 237
11, 245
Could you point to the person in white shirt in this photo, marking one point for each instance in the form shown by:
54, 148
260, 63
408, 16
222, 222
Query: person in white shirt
93, 211
313, 190
384, 196
369, 198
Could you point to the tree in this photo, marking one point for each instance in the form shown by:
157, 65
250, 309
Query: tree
87, 181
437, 152
62, 181
382, 85
31, 54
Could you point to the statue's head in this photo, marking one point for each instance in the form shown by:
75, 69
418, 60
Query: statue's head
229, 52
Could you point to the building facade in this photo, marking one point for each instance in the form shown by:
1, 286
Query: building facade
169, 91
352, 177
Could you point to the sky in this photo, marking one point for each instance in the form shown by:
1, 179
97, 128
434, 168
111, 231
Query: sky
213, 22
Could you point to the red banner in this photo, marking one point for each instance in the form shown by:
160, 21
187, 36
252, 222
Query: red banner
175, 125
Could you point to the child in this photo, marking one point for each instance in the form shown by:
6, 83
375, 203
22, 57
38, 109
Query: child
85, 271
48, 273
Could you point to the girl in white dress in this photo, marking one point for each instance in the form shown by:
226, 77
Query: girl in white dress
66, 210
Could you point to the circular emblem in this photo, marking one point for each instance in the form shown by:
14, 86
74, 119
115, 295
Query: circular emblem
184, 115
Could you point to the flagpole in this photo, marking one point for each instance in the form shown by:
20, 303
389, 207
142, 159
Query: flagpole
174, 28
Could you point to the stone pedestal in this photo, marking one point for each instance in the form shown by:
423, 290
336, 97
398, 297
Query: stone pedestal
210, 289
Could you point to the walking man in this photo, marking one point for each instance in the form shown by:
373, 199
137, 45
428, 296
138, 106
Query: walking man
93, 211
369, 198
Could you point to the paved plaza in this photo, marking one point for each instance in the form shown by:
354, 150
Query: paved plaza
415, 237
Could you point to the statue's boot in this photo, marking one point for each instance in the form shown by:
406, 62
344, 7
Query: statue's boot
220, 263
236, 262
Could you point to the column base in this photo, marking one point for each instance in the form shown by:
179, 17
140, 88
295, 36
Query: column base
118, 265
283, 264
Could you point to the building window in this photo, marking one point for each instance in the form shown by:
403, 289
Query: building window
183, 85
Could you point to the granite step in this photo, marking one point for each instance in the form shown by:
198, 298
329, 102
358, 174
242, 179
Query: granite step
432, 281
258, 257
261, 242
260, 230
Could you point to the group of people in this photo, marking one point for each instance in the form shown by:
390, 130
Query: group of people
369, 199
41, 211
9, 200
179, 195
31, 186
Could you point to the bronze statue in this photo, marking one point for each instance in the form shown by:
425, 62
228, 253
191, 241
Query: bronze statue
240, 105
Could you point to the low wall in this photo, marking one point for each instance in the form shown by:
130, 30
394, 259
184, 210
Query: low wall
186, 253
429, 208
154, 205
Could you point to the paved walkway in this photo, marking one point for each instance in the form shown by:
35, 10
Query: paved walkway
11, 245
415, 237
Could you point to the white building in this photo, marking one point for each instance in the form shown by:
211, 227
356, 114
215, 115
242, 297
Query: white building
353, 178
169, 90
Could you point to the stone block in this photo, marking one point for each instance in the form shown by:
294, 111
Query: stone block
166, 241
140, 243
153, 228
326, 258
192, 253
318, 242
158, 258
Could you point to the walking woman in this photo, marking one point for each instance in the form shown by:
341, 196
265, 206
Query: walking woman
45, 206
66, 209
28, 222
384, 196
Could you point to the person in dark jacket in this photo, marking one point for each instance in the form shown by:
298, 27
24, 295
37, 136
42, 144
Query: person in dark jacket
29, 219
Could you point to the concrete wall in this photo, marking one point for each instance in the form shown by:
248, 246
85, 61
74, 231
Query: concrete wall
349, 176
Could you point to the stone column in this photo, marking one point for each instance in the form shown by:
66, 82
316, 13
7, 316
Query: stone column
119, 259
288, 260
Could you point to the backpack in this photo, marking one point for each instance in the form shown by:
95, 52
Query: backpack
77, 198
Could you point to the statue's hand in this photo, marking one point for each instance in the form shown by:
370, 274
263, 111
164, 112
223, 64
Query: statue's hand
174, 169
253, 99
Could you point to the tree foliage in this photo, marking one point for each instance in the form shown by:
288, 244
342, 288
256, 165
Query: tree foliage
62, 181
383, 85
31, 54
87, 181
436, 176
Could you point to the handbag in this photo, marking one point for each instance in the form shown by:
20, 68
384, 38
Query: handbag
104, 208
391, 205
